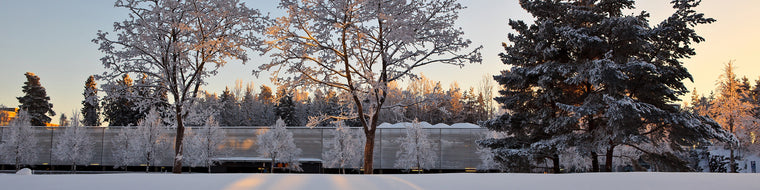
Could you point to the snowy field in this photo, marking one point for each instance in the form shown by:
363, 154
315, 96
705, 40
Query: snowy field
616, 181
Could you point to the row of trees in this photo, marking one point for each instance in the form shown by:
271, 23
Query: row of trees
736, 107
356, 47
588, 83
148, 143
37, 104
423, 99
143, 144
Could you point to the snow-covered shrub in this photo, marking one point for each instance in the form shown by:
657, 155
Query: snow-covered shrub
74, 146
344, 149
416, 149
202, 145
17, 146
277, 144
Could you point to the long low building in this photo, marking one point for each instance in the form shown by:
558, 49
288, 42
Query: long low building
455, 146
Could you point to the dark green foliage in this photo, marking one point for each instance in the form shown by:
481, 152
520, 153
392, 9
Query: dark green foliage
719, 164
118, 107
286, 110
90, 105
587, 76
35, 101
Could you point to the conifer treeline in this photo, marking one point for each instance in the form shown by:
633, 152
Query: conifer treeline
247, 105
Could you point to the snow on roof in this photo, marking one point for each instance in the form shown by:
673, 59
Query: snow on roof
428, 125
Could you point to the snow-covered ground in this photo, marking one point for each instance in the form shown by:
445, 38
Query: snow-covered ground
616, 181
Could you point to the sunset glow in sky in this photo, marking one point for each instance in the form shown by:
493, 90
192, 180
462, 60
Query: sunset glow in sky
52, 39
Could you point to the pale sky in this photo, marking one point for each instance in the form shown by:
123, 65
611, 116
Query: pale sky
52, 38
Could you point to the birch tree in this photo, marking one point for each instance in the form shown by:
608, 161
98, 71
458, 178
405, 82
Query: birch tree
148, 141
277, 144
121, 151
17, 146
178, 44
416, 149
74, 146
359, 46
204, 145
344, 149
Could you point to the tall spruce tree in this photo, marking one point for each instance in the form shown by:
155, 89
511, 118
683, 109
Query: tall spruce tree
733, 111
35, 101
90, 106
585, 75
286, 110
118, 107
228, 116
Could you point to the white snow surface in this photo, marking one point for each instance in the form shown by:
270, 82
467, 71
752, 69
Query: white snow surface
617, 181
428, 125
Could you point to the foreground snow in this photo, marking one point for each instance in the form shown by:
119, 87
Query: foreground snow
617, 181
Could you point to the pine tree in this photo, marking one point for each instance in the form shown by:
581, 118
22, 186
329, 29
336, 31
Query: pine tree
286, 110
35, 101
585, 75
90, 106
63, 120
247, 106
732, 110
266, 95
119, 108
229, 115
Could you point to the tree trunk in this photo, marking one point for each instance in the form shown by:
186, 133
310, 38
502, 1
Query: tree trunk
732, 163
271, 166
178, 140
608, 158
594, 162
555, 161
731, 146
74, 168
369, 151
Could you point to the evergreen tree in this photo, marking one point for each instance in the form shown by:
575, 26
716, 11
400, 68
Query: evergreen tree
286, 110
148, 95
119, 109
35, 101
266, 95
732, 110
247, 106
585, 75
63, 120
228, 116
90, 106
